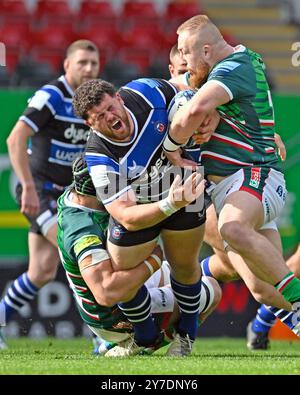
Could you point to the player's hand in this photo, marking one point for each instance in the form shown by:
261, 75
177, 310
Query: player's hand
200, 137
182, 194
207, 128
280, 146
176, 159
30, 203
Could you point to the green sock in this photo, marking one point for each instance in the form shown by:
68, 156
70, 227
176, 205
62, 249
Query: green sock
289, 287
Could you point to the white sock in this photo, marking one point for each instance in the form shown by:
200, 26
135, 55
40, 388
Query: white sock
162, 299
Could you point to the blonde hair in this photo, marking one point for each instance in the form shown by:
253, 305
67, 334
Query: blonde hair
201, 24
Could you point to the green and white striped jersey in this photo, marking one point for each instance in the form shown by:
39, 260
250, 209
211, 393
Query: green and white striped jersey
81, 231
245, 134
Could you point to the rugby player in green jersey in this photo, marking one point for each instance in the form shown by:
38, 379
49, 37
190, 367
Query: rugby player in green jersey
82, 225
240, 157
218, 265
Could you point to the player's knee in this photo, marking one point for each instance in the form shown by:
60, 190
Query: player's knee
235, 234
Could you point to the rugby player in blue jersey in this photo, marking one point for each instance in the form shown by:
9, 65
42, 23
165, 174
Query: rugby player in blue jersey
82, 226
132, 178
55, 136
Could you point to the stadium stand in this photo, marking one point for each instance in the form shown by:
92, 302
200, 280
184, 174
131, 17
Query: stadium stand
142, 32
260, 26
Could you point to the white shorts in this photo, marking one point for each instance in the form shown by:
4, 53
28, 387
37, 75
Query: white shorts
268, 185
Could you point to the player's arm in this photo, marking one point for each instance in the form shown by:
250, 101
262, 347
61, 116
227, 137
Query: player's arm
17, 149
135, 216
110, 287
192, 115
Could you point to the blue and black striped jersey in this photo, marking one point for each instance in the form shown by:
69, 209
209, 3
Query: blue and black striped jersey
59, 135
139, 164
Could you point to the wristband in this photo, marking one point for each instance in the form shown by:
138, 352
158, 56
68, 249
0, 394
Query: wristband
167, 207
170, 145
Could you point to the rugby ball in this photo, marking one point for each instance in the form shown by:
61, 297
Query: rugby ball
178, 101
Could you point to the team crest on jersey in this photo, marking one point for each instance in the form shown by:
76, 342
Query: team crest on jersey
255, 177
116, 232
159, 126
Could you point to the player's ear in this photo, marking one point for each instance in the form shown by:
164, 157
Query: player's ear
66, 64
207, 51
118, 96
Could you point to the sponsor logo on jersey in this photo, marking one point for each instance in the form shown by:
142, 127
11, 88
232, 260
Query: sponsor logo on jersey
267, 210
74, 135
255, 177
280, 191
134, 170
163, 298
64, 153
85, 242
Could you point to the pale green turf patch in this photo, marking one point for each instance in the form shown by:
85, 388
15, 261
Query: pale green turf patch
210, 356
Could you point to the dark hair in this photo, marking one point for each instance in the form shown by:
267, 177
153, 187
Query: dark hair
81, 44
90, 94
83, 183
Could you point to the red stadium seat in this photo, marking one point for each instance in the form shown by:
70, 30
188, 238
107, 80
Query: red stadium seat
143, 37
12, 59
14, 10
177, 12
139, 11
52, 8
15, 36
105, 37
53, 37
53, 11
92, 9
53, 57
142, 9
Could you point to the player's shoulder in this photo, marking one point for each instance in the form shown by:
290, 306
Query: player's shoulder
242, 56
144, 83
74, 222
58, 90
94, 143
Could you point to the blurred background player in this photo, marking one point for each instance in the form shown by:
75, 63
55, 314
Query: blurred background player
56, 136
177, 65
82, 227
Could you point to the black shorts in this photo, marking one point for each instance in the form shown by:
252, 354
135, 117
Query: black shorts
48, 194
181, 220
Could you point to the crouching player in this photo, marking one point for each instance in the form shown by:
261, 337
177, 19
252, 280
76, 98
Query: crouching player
82, 224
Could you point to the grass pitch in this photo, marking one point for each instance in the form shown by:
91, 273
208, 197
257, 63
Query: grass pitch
220, 356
